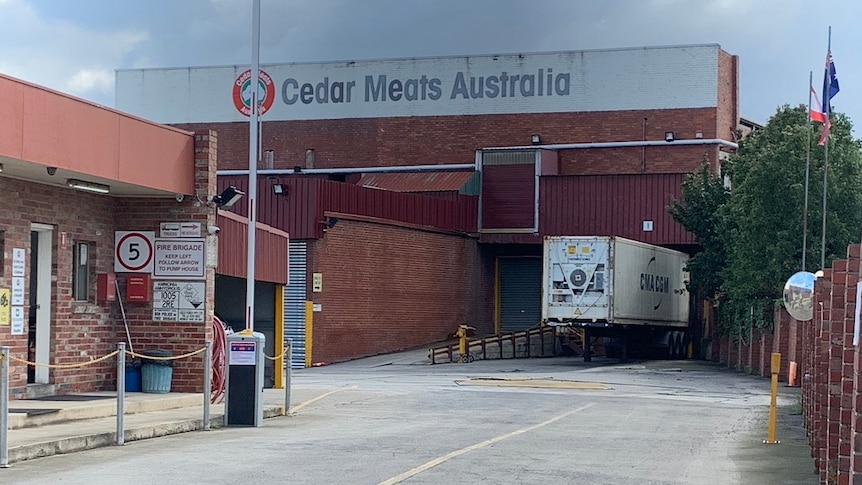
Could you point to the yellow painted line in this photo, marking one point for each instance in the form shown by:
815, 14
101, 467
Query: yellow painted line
536, 383
318, 398
419, 469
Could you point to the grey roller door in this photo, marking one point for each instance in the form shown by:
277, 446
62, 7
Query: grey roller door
520, 293
294, 302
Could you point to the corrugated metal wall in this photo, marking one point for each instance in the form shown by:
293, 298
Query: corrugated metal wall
508, 190
301, 211
270, 251
520, 293
615, 205
294, 302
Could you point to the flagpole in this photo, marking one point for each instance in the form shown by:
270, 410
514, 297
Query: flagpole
828, 110
807, 170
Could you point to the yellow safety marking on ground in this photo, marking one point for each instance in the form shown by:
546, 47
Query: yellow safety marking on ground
527, 382
318, 398
431, 464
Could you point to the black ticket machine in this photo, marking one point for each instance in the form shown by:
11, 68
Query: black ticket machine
244, 383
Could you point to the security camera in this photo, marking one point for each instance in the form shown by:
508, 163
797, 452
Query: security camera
213, 230
181, 197
51, 170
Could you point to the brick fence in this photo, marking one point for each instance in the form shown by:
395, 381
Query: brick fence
829, 368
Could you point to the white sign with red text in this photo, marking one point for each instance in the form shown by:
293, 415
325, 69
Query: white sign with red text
180, 259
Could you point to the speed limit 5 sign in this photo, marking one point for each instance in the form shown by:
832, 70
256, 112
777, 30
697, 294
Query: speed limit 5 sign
133, 251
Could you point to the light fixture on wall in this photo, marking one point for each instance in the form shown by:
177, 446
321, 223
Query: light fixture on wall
668, 136
279, 189
88, 186
535, 139
228, 197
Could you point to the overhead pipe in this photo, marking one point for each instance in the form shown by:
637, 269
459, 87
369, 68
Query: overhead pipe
473, 166
623, 144
313, 171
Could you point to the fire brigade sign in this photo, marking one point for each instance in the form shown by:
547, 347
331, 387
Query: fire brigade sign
180, 259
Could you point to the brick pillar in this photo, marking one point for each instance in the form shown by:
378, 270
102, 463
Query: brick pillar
724, 351
766, 339
842, 348
836, 366
854, 380
745, 350
754, 353
820, 372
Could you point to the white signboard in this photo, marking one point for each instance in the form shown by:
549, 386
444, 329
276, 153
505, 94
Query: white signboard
17, 320
133, 251
19, 264
180, 258
180, 229
17, 290
242, 353
575, 81
179, 301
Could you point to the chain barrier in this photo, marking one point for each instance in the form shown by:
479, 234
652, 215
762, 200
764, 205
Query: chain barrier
173, 357
279, 356
105, 357
64, 366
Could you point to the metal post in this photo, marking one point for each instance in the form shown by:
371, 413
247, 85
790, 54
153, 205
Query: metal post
4, 407
208, 370
775, 368
252, 166
121, 392
288, 352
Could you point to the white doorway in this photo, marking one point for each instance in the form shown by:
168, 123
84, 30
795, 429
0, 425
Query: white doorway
41, 261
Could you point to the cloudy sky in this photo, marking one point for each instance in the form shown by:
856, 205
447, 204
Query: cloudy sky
75, 45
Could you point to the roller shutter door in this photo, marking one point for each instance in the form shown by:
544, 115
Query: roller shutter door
294, 303
520, 293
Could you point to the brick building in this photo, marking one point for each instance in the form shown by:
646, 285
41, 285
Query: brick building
79, 178
417, 191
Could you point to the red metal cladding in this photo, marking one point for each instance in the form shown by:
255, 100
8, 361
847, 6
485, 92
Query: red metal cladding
417, 181
271, 250
300, 210
508, 196
618, 205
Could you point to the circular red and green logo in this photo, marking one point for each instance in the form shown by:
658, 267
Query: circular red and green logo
242, 92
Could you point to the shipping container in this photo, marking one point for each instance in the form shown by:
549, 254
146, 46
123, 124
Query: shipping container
630, 292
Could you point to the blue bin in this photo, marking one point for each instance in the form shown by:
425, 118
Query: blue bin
133, 379
156, 374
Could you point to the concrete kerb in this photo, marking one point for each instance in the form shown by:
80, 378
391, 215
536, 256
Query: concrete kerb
73, 411
87, 441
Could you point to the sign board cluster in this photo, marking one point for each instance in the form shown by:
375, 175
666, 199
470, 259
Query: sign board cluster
12, 301
177, 262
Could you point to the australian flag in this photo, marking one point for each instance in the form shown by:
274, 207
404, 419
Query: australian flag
830, 89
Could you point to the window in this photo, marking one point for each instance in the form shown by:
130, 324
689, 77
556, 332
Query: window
81, 271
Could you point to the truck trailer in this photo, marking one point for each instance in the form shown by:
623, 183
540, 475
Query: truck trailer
631, 293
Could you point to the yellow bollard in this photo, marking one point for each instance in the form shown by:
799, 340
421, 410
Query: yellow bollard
462, 342
775, 368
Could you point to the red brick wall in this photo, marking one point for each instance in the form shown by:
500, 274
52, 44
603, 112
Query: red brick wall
388, 288
728, 96
80, 331
146, 214
86, 330
454, 139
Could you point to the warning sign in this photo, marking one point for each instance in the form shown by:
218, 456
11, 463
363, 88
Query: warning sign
5, 304
133, 251
179, 301
180, 258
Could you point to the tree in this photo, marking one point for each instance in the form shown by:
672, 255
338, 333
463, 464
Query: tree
763, 217
703, 195
752, 236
